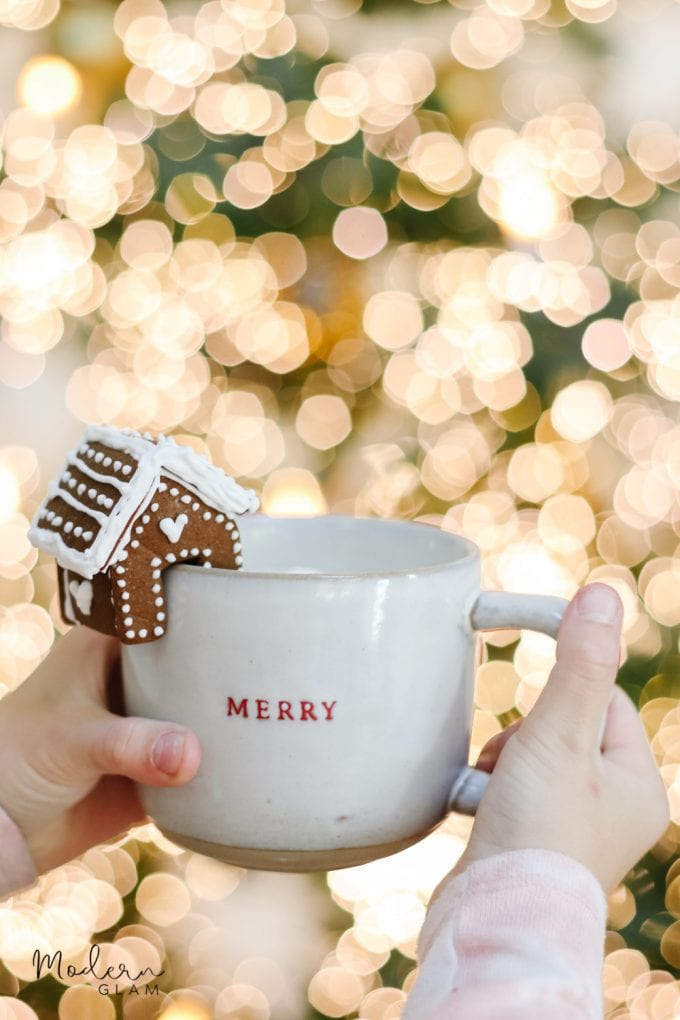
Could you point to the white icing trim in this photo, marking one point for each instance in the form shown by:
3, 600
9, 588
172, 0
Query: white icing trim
165, 456
208, 482
82, 592
85, 469
68, 604
76, 504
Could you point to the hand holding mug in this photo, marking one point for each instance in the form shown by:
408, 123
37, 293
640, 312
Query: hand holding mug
560, 780
68, 763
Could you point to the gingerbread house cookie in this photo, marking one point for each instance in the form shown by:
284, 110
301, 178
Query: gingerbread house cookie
124, 509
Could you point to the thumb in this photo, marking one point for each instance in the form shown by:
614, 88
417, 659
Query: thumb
573, 703
155, 753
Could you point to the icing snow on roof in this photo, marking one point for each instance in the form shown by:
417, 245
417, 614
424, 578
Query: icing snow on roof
112, 493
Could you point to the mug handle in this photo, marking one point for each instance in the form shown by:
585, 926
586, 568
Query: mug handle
500, 610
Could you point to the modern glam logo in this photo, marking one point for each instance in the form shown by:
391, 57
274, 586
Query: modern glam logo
262, 708
133, 983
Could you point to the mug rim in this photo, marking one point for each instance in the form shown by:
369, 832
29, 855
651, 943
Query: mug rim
470, 553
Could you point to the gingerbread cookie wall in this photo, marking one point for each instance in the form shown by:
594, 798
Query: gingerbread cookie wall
125, 508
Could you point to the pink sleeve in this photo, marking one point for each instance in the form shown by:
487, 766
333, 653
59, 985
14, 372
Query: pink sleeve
17, 870
519, 935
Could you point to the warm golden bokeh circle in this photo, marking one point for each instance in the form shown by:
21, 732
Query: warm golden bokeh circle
392, 261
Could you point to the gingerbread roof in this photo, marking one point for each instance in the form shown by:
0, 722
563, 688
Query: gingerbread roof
107, 481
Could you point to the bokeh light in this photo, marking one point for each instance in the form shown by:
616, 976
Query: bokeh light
49, 85
419, 261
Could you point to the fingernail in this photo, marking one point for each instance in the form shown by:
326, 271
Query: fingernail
167, 753
598, 603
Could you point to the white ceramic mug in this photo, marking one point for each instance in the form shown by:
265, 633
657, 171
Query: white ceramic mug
330, 682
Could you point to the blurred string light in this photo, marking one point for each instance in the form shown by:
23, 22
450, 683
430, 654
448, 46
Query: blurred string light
363, 370
49, 85
28, 14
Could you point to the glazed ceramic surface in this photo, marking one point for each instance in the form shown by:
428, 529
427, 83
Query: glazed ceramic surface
330, 682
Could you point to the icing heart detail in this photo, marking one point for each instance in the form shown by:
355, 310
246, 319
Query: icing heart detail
82, 593
173, 529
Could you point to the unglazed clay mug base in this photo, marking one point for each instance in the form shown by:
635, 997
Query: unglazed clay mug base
330, 682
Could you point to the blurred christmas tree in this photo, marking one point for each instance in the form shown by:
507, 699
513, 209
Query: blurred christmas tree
388, 259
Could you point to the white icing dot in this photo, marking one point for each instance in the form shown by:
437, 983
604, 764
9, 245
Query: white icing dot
174, 492
92, 493
78, 531
156, 574
207, 552
128, 621
237, 547
155, 588
116, 465
194, 552
126, 607
72, 483
126, 469
57, 521
207, 564
230, 525
121, 583
238, 561
171, 557
184, 552
186, 499
134, 544
158, 602
81, 488
207, 515
101, 499
145, 519
50, 515
143, 632
108, 503
120, 570
219, 518
158, 631
154, 507
162, 487
123, 555
156, 562
160, 616
139, 529
99, 456
83, 448
107, 461
129, 633
195, 506
68, 526
90, 453
87, 535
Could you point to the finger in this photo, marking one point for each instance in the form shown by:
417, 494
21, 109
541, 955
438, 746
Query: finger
624, 740
156, 753
489, 754
572, 704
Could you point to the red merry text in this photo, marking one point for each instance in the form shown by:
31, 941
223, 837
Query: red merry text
262, 708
